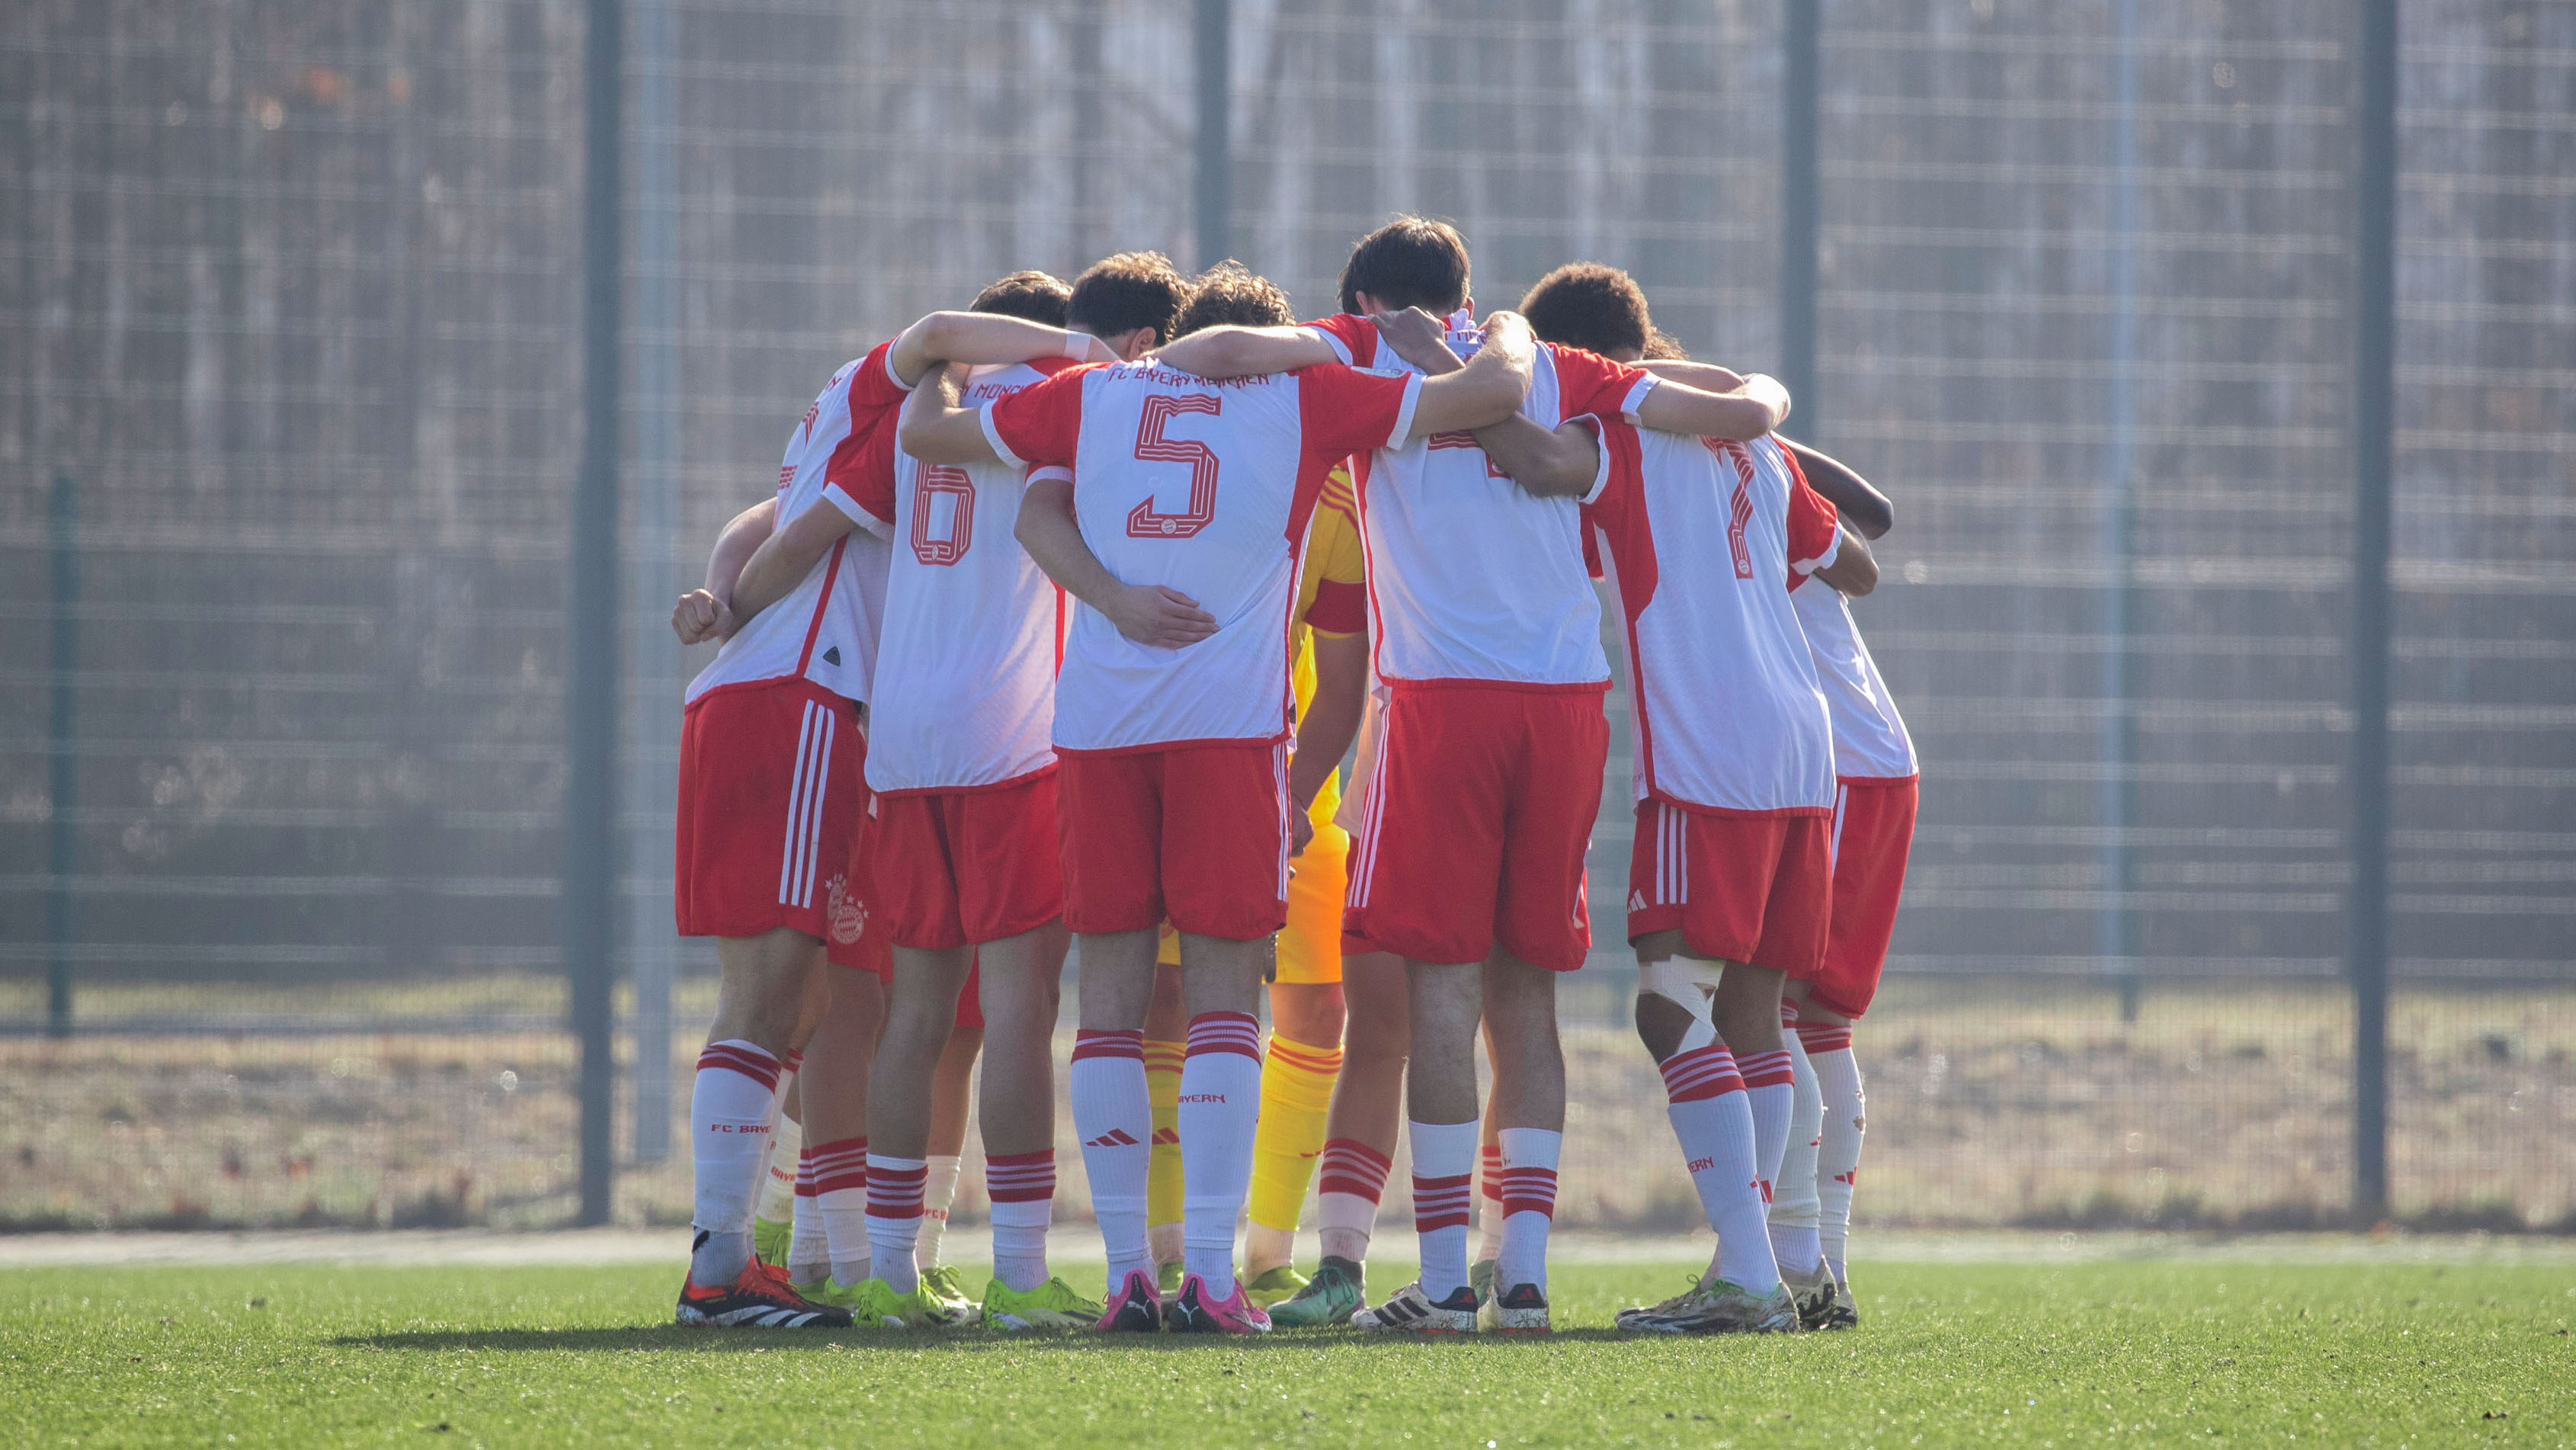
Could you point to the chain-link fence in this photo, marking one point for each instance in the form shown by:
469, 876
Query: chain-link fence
290, 408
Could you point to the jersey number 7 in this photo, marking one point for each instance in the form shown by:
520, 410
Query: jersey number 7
1152, 447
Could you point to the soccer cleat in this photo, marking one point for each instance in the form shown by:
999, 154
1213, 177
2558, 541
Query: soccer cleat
1412, 1312
941, 1282
758, 1298
1480, 1277
1167, 1277
1717, 1307
770, 1238
1338, 1290
1134, 1309
1814, 1292
1843, 1312
1521, 1309
1051, 1305
877, 1305
1280, 1283
1197, 1311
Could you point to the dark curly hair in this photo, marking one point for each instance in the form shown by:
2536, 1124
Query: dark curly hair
1035, 296
1596, 308
1230, 294
1116, 295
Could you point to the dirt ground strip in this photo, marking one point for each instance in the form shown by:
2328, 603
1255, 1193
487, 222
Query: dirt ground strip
1989, 1105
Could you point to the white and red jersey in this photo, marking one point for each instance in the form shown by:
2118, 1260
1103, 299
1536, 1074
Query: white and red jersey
973, 629
1702, 539
1870, 742
1203, 487
825, 630
1470, 577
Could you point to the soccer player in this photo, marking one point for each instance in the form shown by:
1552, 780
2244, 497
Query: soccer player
1728, 880
771, 791
1194, 496
1330, 680
1470, 866
962, 837
1873, 827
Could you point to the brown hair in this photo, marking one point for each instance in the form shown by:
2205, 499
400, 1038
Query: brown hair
1412, 261
1035, 296
1116, 295
1596, 308
1230, 294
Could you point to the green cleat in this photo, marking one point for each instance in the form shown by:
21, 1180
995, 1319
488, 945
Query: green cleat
1814, 1292
770, 1238
1480, 1277
1276, 1284
942, 1283
1167, 1279
1338, 1290
1051, 1305
828, 1290
876, 1305
1715, 1306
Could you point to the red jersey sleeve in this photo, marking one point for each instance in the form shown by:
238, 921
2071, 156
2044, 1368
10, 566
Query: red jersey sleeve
873, 385
1353, 410
1815, 535
859, 479
1041, 423
1587, 382
1352, 336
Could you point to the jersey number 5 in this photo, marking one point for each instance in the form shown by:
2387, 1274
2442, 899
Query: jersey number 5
928, 484
1152, 447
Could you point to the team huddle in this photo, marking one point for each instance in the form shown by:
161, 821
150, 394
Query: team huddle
916, 768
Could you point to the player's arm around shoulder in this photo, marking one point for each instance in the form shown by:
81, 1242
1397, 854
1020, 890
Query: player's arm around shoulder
1853, 570
1744, 413
707, 613
935, 429
1246, 352
784, 559
984, 338
1488, 389
1861, 505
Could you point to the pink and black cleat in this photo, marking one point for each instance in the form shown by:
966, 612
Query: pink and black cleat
1196, 1311
1134, 1309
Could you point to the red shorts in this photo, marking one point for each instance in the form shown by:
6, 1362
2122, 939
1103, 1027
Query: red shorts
1197, 834
1873, 829
1739, 888
1477, 821
772, 791
960, 866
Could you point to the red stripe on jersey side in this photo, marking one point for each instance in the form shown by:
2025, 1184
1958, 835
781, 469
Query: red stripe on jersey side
1629, 535
822, 601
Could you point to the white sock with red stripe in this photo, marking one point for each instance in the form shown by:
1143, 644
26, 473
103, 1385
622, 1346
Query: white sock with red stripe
1529, 1205
731, 1105
1846, 1105
1349, 1182
938, 1193
1771, 1091
1220, 1108
841, 1201
809, 1249
1489, 1202
1444, 1172
1714, 1125
1793, 1197
1114, 1118
1022, 1187
894, 1218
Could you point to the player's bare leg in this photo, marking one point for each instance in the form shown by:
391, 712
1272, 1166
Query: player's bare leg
832, 1088
787, 1196
1021, 979
1167, 1029
920, 1014
732, 1105
1529, 1125
952, 1092
1307, 1018
1747, 1016
1360, 1135
1219, 1107
1447, 1002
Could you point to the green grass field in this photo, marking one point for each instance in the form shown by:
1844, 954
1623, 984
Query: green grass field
2152, 1351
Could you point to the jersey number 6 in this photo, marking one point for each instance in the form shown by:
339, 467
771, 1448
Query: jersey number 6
1152, 447
928, 484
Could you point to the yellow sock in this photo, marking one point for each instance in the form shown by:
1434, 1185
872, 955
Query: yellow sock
1296, 1094
1163, 1090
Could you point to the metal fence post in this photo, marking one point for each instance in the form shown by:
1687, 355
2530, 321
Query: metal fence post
2116, 926
1215, 35
590, 704
1802, 26
2374, 396
62, 736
